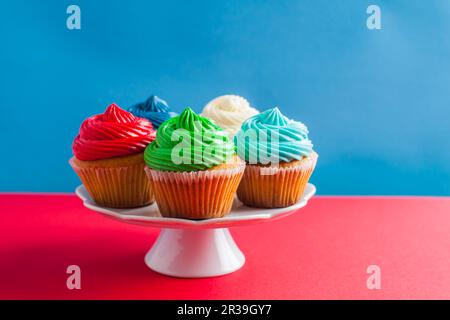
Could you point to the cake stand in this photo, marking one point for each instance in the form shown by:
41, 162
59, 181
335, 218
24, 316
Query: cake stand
195, 248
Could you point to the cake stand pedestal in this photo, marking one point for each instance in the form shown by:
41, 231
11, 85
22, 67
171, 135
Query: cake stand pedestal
195, 253
195, 248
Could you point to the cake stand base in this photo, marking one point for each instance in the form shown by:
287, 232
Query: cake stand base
195, 253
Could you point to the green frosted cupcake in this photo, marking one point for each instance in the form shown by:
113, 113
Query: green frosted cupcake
193, 168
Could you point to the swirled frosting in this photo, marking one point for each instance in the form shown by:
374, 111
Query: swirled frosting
114, 133
154, 109
188, 142
270, 136
228, 112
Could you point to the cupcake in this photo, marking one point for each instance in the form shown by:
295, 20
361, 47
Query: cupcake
193, 168
228, 112
154, 109
109, 158
279, 157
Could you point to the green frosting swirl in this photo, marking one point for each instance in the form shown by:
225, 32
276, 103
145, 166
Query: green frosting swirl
188, 142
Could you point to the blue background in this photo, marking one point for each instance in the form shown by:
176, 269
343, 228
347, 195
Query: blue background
377, 103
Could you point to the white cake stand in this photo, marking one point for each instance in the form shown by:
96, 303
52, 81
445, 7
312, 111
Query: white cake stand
195, 248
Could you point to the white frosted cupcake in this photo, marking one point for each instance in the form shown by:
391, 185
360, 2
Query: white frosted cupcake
228, 112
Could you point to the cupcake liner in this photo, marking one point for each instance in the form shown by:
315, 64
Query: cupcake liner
195, 195
116, 187
275, 187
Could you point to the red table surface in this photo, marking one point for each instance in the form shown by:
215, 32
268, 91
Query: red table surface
320, 252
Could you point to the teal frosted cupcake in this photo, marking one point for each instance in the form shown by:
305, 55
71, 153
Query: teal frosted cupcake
279, 160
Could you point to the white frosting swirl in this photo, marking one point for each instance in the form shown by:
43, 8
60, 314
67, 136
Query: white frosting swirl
228, 112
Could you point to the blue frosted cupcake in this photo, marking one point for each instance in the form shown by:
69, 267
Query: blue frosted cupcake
154, 109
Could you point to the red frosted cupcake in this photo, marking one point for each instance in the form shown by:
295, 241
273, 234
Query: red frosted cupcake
109, 158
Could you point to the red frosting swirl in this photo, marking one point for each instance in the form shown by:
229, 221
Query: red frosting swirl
114, 133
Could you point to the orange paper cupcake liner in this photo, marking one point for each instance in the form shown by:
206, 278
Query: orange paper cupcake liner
116, 187
195, 195
275, 187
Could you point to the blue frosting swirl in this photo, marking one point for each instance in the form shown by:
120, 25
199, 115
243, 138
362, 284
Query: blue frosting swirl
154, 109
271, 137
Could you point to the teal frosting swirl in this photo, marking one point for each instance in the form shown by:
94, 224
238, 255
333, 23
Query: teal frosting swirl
270, 136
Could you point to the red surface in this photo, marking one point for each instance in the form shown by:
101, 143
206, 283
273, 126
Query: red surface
320, 252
